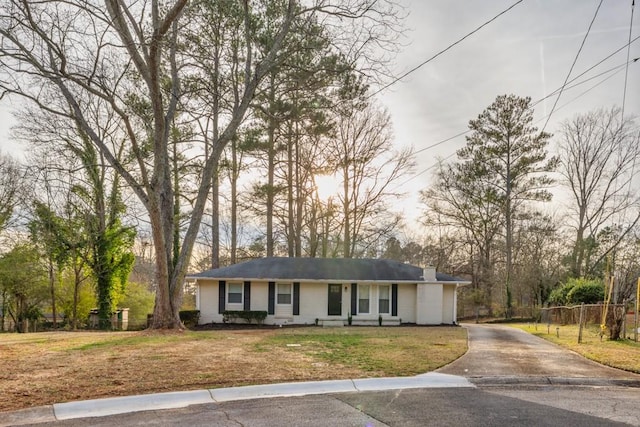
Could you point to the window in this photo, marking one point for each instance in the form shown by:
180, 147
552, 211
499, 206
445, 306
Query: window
284, 293
363, 299
383, 299
234, 293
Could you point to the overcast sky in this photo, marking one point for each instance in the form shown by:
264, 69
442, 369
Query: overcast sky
527, 51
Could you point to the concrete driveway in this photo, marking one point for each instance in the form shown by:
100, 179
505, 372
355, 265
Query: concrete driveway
500, 351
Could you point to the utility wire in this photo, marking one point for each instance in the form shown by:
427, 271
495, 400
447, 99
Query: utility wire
572, 65
624, 98
397, 79
462, 133
583, 93
624, 93
559, 90
616, 68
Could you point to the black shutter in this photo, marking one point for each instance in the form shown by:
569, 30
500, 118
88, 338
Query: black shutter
354, 299
222, 296
394, 299
247, 296
272, 298
296, 298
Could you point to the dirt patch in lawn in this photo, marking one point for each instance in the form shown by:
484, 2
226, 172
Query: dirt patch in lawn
45, 368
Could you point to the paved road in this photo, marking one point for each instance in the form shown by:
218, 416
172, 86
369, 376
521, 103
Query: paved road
502, 351
467, 407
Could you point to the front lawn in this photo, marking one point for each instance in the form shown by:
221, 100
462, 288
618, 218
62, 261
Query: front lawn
44, 368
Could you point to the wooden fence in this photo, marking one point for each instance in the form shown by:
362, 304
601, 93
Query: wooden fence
566, 315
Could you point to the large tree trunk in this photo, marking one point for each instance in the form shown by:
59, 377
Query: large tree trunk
290, 205
215, 219
234, 200
271, 163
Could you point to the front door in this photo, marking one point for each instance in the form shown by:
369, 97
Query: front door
335, 300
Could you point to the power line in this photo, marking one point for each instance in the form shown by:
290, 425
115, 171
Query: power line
560, 89
617, 69
397, 79
564, 86
626, 72
440, 142
572, 65
584, 92
624, 97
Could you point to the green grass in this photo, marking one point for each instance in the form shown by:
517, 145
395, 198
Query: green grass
622, 354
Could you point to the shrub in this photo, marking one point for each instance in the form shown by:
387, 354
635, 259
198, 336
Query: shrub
588, 292
576, 291
558, 296
248, 315
190, 317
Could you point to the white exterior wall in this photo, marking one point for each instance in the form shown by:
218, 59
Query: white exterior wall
208, 301
449, 304
429, 304
423, 304
314, 299
259, 296
407, 302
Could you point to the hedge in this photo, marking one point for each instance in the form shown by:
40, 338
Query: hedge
190, 317
248, 315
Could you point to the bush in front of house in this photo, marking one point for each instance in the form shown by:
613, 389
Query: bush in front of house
190, 317
248, 315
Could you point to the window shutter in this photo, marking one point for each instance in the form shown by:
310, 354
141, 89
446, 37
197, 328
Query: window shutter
272, 298
394, 299
247, 296
354, 299
222, 296
296, 298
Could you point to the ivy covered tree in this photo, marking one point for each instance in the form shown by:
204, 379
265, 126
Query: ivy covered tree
109, 242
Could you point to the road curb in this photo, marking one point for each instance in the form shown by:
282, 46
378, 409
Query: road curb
181, 399
553, 381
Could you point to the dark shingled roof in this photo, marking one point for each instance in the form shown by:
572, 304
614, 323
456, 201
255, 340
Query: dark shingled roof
338, 269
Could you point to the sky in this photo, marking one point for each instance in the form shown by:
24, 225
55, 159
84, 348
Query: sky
528, 51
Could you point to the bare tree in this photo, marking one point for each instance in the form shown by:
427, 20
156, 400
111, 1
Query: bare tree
370, 170
125, 55
598, 152
460, 201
